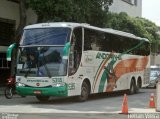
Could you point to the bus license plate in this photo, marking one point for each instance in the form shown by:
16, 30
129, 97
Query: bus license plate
37, 92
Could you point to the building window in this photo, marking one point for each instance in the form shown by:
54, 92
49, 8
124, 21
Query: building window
7, 31
132, 2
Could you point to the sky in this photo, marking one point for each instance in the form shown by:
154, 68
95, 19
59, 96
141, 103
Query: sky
151, 10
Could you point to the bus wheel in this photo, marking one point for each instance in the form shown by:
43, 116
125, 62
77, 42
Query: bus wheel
84, 92
138, 86
42, 98
132, 88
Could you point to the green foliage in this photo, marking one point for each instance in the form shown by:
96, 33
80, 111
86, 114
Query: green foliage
138, 26
89, 11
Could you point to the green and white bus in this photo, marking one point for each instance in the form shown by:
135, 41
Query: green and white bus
73, 59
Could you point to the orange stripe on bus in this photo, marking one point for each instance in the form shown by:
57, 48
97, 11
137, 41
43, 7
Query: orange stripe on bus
127, 66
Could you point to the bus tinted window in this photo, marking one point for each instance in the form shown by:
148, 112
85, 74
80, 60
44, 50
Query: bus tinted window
103, 41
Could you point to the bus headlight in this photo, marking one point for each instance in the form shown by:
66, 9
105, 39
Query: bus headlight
58, 84
20, 84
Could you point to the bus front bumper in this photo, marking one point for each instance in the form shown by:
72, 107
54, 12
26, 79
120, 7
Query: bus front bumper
43, 91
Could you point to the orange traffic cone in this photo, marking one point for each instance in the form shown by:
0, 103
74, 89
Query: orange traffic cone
125, 105
152, 103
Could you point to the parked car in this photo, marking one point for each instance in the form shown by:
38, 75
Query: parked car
154, 76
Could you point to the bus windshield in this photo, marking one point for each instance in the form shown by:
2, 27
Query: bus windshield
45, 36
42, 61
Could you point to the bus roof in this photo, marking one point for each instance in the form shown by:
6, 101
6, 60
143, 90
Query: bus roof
54, 24
73, 25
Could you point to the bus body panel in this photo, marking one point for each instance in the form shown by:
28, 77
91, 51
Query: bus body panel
126, 68
45, 91
55, 86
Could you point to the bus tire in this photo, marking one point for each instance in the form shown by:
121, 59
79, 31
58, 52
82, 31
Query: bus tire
43, 98
132, 89
138, 86
84, 92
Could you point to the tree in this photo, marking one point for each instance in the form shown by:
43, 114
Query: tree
138, 26
89, 11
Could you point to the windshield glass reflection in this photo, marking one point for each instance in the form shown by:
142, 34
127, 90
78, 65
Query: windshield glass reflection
42, 61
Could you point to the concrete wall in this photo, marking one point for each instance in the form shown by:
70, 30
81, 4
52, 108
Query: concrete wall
122, 6
10, 10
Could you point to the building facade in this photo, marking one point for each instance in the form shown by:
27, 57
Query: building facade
9, 21
131, 7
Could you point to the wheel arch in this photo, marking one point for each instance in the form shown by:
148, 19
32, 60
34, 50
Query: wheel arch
132, 85
134, 80
88, 83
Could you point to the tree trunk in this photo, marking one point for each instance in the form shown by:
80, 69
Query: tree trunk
23, 17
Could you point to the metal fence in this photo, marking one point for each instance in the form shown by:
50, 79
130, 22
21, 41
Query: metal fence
4, 63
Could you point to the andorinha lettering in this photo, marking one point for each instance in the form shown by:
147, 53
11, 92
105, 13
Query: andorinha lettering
105, 55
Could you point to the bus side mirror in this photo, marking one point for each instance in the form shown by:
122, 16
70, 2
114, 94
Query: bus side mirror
9, 51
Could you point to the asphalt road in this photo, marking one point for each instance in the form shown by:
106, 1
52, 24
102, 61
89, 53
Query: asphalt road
97, 106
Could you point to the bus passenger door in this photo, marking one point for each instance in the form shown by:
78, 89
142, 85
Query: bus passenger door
74, 87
